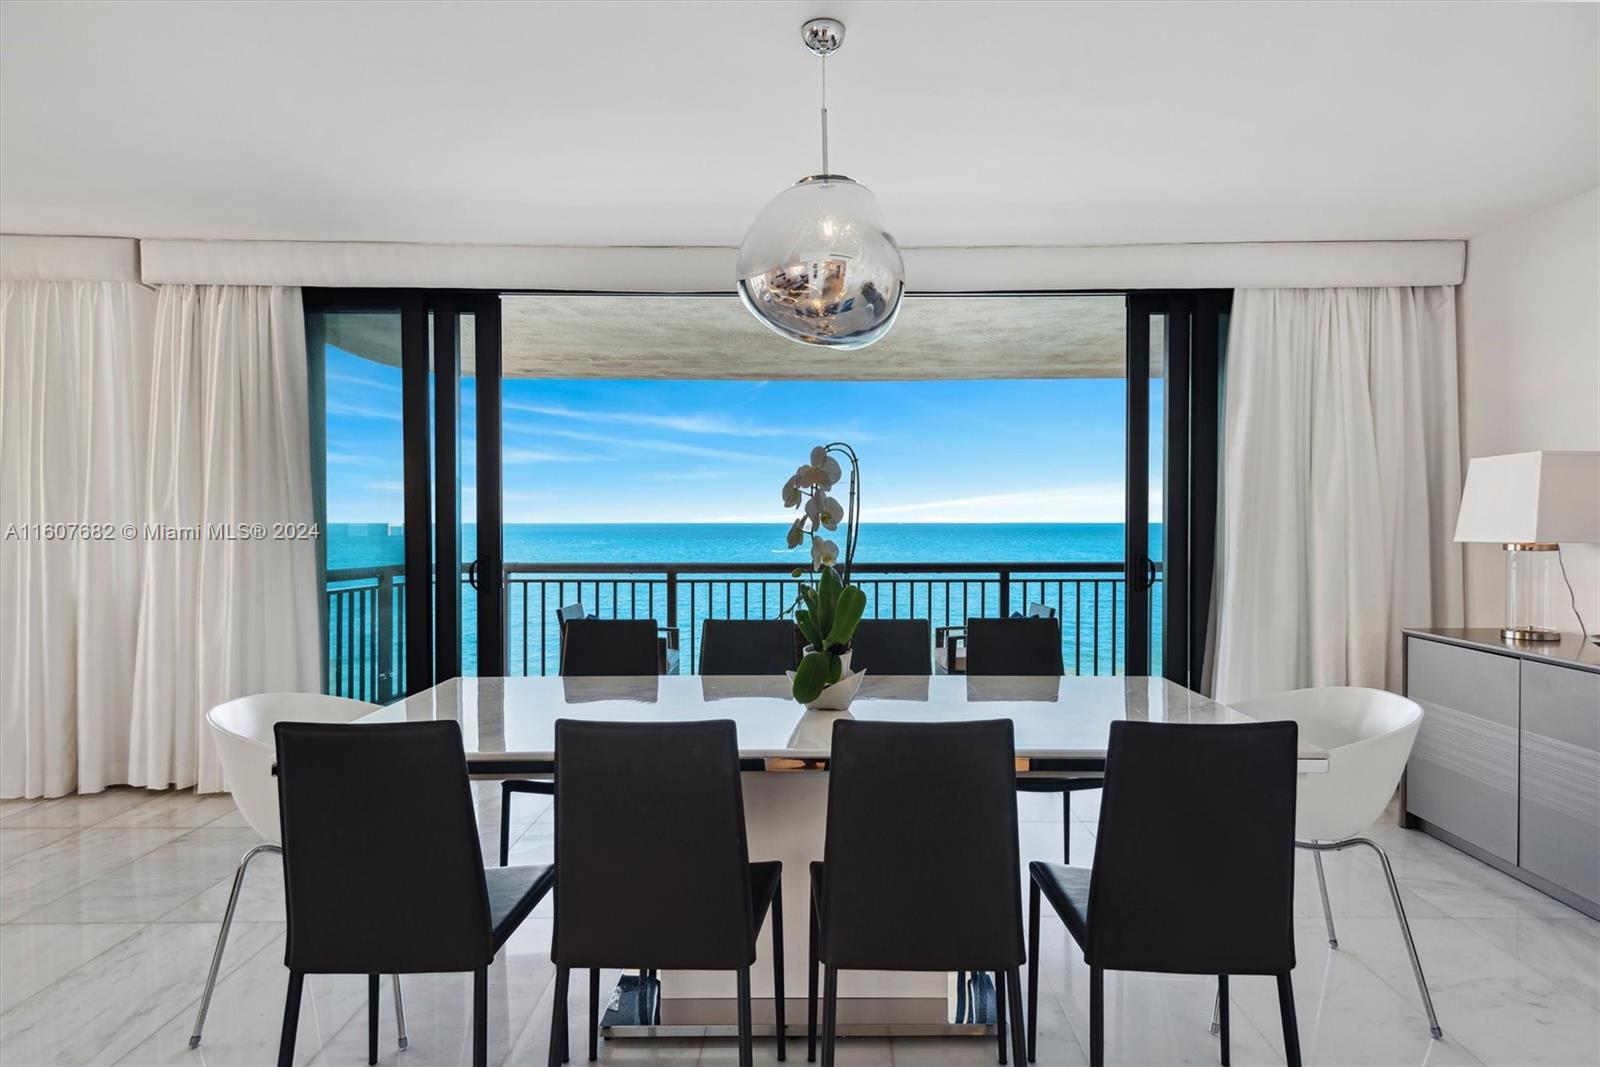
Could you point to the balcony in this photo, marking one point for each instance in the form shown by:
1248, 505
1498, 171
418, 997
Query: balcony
366, 608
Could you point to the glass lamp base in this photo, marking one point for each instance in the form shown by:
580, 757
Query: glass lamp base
1530, 633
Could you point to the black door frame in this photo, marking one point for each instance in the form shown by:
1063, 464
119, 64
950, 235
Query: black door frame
432, 479
1192, 357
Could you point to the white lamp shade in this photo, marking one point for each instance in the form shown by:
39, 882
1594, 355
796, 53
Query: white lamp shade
1529, 497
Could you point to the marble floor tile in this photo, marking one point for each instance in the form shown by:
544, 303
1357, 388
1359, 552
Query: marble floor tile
37, 955
16, 843
1565, 951
47, 873
81, 812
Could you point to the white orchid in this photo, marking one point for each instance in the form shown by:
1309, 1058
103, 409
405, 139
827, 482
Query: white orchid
827, 465
824, 553
811, 477
791, 495
797, 533
823, 510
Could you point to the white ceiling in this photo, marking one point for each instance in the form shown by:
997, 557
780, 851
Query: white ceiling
671, 123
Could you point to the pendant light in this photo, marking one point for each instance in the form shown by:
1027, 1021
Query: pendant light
817, 265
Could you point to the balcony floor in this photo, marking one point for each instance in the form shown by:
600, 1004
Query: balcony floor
110, 907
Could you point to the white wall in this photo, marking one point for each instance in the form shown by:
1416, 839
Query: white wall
1529, 329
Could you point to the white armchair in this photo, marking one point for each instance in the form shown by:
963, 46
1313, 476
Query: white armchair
242, 730
1368, 734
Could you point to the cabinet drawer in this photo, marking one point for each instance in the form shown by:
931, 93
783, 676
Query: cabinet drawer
1462, 777
1560, 817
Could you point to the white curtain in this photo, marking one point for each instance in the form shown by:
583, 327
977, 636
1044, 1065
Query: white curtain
1341, 473
236, 610
74, 364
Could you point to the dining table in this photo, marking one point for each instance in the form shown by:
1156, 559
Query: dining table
1061, 724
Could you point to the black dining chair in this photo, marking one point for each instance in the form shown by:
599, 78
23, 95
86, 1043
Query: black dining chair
893, 646
1027, 646
381, 866
590, 648
1193, 866
920, 870
748, 646
659, 805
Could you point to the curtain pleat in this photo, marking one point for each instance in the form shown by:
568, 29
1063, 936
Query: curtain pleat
224, 614
1342, 467
74, 362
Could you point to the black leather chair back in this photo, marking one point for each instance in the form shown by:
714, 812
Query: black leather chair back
381, 864
1194, 857
602, 647
893, 646
747, 646
651, 859
1014, 646
921, 863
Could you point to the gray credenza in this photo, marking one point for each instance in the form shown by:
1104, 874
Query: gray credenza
1506, 766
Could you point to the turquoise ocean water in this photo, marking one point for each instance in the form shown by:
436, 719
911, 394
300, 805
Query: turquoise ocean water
1092, 615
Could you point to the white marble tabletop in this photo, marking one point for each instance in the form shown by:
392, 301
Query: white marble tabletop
508, 724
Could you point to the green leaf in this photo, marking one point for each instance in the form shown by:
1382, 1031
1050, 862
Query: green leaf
811, 677
847, 612
827, 598
835, 668
808, 627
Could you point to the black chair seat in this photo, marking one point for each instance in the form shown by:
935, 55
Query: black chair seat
1067, 890
765, 877
513, 894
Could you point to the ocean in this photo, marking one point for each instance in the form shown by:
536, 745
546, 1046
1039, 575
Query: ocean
1092, 607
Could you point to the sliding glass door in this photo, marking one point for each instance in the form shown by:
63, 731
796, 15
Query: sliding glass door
405, 398
1176, 343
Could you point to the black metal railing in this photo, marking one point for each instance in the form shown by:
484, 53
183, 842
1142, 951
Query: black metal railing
366, 607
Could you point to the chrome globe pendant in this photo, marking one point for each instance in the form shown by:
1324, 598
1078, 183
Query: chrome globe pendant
817, 265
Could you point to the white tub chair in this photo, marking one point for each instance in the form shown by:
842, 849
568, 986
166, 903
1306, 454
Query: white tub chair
242, 730
1368, 734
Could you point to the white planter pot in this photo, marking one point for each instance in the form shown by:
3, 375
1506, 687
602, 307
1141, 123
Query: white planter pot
837, 697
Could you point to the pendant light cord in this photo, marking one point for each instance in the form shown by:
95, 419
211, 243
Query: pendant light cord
825, 116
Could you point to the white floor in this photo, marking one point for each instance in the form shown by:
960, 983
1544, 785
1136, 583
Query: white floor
109, 907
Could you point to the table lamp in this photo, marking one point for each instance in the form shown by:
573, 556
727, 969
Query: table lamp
1528, 503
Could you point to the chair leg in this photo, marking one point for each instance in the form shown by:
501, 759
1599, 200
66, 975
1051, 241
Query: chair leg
961, 997
1222, 1015
372, 1019
480, 1017
1216, 1015
1033, 970
1097, 1017
1405, 931
778, 1005
1291, 1029
811, 988
558, 1018
222, 940
594, 1014
747, 1055
505, 825
1066, 827
830, 1014
1019, 1048
1000, 1011
291, 1019
1327, 909
400, 1013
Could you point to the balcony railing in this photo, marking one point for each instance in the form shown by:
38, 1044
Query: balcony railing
366, 608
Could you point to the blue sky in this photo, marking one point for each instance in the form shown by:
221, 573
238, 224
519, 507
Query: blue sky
719, 451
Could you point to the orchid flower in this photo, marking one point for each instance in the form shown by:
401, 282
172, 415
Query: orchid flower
824, 553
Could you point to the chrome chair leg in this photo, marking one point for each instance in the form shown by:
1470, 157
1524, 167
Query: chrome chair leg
1327, 910
400, 1013
222, 939
1399, 914
1216, 1014
1405, 931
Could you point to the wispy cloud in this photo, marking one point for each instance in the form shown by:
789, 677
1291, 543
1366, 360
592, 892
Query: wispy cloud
542, 455
641, 444
385, 485
704, 424
1078, 503
364, 382
361, 411
354, 459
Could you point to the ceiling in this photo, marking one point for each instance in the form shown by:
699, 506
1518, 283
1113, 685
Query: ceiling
672, 123
702, 337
